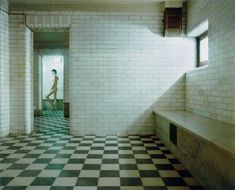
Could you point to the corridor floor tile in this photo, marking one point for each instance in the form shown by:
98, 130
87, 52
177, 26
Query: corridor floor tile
50, 159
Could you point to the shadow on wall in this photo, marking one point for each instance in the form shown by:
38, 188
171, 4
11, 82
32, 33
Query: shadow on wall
199, 93
173, 99
117, 85
144, 121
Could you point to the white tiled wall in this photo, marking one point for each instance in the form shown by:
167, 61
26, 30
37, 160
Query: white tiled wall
120, 69
211, 91
21, 114
37, 80
28, 80
46, 21
4, 70
197, 13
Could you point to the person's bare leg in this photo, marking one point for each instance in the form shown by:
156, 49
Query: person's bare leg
55, 100
47, 97
55, 97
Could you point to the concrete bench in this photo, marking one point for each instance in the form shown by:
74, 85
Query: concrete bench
205, 146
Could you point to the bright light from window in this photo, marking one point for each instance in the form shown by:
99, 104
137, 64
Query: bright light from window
204, 49
57, 59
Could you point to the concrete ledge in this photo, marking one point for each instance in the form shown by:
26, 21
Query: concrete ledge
217, 132
205, 146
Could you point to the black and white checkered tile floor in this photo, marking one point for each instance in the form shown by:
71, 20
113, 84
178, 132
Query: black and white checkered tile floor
50, 158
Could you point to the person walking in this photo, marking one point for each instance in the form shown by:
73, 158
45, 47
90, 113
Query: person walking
54, 89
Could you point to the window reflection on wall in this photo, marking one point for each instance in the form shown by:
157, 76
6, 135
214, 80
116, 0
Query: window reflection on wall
49, 63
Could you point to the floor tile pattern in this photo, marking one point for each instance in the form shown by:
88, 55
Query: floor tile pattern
50, 158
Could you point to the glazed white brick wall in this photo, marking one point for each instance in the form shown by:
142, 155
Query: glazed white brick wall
66, 75
4, 73
197, 13
37, 80
211, 90
28, 81
21, 92
120, 68
45, 22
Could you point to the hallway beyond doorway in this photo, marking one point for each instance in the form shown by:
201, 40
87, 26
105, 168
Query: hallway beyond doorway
55, 100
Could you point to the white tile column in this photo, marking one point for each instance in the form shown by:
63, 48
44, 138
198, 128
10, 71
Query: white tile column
37, 91
21, 76
4, 69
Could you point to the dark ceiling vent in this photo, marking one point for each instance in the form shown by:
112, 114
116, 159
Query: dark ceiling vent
172, 21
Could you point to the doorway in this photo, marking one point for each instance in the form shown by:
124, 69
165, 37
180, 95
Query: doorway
51, 51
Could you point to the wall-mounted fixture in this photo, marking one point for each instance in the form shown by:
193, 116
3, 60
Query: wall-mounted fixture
173, 22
